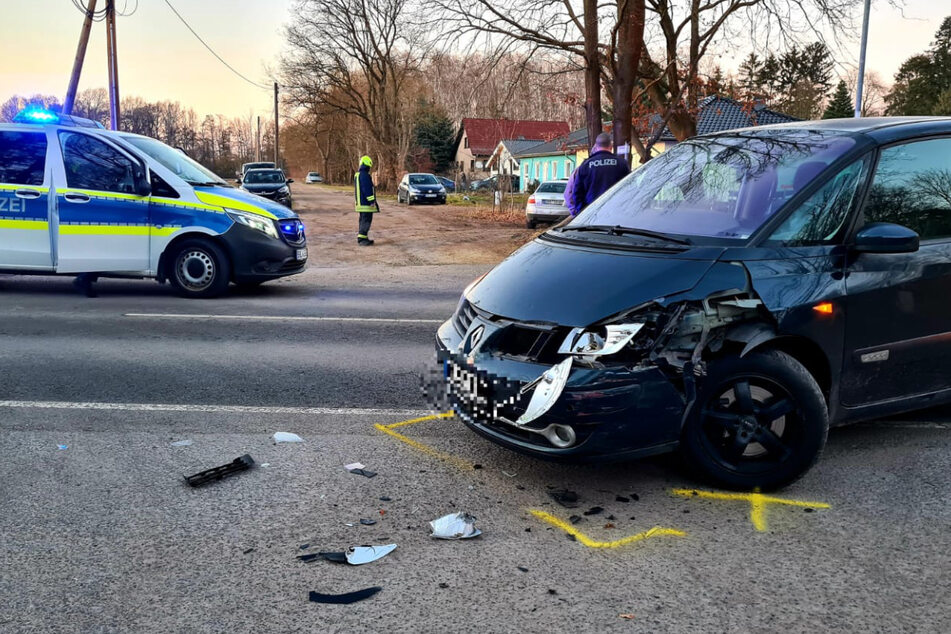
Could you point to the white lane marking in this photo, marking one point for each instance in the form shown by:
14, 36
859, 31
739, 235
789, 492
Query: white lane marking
232, 409
898, 424
381, 320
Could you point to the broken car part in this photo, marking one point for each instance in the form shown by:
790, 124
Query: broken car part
344, 599
359, 469
568, 499
358, 555
286, 436
454, 526
243, 463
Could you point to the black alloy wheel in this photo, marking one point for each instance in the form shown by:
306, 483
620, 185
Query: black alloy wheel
759, 422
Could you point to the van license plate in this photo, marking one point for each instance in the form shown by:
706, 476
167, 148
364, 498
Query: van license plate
302, 254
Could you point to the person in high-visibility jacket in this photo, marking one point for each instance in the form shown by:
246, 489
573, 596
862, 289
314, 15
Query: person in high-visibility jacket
364, 197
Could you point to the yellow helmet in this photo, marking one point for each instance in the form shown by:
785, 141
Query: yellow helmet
366, 160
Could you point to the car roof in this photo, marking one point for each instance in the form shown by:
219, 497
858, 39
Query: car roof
879, 129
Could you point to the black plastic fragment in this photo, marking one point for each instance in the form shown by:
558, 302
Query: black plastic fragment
340, 558
349, 597
308, 557
364, 472
568, 499
635, 497
368, 522
243, 463
594, 510
574, 519
522, 568
385, 499
621, 498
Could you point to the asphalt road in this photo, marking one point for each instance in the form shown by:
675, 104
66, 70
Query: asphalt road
103, 535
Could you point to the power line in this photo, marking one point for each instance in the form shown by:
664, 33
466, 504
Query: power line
211, 50
97, 16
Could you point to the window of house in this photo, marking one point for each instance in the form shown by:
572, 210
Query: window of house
912, 187
465, 142
472, 165
554, 169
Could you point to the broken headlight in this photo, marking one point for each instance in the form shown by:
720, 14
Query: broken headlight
599, 341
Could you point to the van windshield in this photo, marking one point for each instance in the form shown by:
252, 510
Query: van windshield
177, 161
721, 187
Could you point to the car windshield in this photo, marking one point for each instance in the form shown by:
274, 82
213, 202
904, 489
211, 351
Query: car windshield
177, 161
551, 188
422, 179
264, 177
313, 174
721, 187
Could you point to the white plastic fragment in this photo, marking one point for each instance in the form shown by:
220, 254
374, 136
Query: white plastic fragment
182, 443
454, 526
286, 436
354, 465
357, 555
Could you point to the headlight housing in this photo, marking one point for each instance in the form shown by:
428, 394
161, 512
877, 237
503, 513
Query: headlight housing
600, 341
259, 223
284, 190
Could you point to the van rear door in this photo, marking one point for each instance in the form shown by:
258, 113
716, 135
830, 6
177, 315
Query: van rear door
24, 201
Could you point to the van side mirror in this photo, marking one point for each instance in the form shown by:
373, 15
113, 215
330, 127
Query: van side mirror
885, 237
142, 185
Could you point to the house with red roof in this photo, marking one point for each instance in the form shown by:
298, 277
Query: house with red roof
477, 139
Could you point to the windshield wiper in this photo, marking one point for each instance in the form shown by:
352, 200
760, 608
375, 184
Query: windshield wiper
618, 230
206, 183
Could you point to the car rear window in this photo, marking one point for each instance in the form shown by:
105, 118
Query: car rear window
552, 188
22, 158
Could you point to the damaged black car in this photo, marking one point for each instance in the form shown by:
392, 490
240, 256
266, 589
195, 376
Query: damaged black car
731, 299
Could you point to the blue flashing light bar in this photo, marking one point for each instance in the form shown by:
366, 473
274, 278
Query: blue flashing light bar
39, 115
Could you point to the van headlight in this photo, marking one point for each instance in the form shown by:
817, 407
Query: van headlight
264, 225
599, 341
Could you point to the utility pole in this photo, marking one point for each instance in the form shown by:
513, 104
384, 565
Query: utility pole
277, 132
257, 144
80, 57
861, 82
113, 61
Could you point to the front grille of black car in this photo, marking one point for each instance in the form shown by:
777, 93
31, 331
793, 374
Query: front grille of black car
535, 344
463, 317
293, 231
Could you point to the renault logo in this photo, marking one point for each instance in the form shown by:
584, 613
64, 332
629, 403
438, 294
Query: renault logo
476, 337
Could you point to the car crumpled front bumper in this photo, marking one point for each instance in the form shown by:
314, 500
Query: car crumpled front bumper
613, 411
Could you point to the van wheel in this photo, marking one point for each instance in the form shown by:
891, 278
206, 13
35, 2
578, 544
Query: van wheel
199, 269
759, 422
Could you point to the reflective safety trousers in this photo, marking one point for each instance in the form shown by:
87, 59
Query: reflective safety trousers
364, 196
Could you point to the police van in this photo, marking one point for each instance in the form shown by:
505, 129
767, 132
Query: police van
76, 198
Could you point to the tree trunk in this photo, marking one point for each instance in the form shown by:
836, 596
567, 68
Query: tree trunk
592, 71
630, 42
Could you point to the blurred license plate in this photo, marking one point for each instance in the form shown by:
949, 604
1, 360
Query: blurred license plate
302, 254
431, 195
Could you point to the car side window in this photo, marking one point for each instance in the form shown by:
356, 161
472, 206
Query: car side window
22, 158
819, 219
912, 187
92, 164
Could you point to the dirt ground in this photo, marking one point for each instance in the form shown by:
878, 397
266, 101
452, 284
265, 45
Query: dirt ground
404, 236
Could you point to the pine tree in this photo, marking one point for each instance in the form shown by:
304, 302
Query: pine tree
841, 105
750, 71
922, 78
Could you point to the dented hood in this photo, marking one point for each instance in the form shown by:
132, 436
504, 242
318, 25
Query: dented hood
573, 285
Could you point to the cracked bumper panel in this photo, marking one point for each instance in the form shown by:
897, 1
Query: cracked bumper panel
614, 412
257, 257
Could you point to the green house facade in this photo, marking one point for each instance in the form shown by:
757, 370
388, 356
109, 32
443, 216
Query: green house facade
554, 160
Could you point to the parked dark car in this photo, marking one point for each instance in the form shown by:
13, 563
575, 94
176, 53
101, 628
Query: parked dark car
448, 183
731, 299
421, 188
505, 183
270, 183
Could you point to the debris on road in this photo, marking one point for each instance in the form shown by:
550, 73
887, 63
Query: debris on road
368, 522
594, 510
454, 526
286, 436
621, 498
340, 558
62, 447
358, 555
568, 499
344, 599
309, 557
181, 443
574, 519
510, 475
359, 469
629, 617
243, 463
522, 568
385, 499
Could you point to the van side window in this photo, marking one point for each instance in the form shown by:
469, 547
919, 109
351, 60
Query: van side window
912, 187
160, 187
91, 164
22, 158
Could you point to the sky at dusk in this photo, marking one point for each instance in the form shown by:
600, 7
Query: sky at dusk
160, 60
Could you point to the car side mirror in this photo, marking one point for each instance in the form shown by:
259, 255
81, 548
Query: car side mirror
290, 180
237, 181
885, 237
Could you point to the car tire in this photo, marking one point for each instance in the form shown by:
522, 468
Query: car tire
531, 224
758, 423
199, 269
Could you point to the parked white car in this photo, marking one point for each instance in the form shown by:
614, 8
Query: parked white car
547, 204
313, 177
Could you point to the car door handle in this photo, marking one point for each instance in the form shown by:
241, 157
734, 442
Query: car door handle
76, 198
28, 194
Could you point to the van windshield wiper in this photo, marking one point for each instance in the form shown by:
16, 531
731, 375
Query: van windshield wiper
618, 230
206, 183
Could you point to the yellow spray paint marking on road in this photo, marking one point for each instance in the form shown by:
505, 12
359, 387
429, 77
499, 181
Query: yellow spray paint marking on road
657, 531
426, 449
757, 501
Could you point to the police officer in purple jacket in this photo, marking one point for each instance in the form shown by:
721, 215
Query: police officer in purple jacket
596, 175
